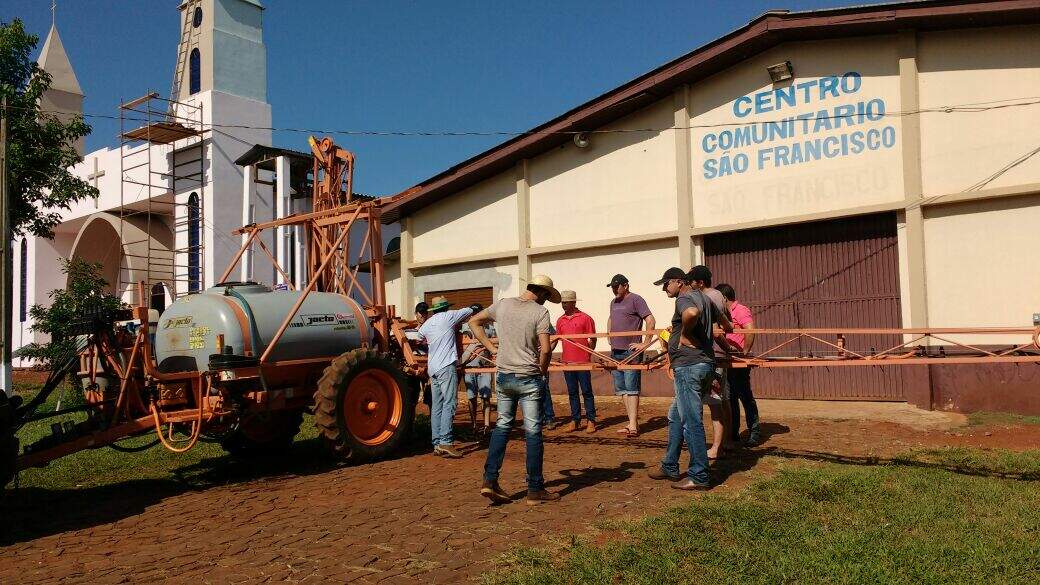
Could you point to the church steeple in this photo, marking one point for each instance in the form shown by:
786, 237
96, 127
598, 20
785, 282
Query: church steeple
64, 96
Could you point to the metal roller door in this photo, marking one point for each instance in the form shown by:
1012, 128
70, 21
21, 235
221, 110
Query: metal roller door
836, 273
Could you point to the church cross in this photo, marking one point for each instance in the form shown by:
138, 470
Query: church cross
54, 12
93, 178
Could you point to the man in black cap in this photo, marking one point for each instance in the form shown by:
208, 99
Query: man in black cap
718, 399
692, 357
628, 312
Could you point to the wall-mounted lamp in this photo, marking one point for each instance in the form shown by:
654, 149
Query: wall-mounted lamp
581, 140
780, 71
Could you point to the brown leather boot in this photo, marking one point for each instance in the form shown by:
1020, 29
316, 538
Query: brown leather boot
540, 496
570, 427
591, 427
492, 491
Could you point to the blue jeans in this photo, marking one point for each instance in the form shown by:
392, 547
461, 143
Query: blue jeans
685, 421
478, 385
444, 386
548, 412
583, 379
626, 381
512, 390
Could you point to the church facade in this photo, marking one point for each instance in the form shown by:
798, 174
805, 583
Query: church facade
168, 202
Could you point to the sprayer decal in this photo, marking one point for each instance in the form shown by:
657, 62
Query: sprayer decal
314, 320
179, 322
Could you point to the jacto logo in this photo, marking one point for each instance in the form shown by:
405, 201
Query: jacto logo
179, 322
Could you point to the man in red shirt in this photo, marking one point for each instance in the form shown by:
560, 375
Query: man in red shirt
575, 322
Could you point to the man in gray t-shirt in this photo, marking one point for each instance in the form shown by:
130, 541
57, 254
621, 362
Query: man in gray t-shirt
522, 358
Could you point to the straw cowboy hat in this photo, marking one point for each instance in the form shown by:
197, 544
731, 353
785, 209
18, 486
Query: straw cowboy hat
568, 296
438, 304
543, 281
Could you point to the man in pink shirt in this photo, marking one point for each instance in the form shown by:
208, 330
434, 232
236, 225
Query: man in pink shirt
740, 378
576, 322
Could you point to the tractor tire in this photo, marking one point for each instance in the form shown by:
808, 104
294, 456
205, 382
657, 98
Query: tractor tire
263, 433
364, 406
8, 442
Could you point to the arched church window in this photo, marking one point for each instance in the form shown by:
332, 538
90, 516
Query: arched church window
24, 283
194, 240
195, 72
196, 17
158, 297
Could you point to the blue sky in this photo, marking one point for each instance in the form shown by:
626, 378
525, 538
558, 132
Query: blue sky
393, 65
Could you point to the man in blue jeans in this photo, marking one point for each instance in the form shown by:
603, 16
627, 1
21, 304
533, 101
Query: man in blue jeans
692, 357
522, 358
628, 312
440, 330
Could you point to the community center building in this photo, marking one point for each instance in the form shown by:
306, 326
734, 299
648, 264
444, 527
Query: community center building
873, 166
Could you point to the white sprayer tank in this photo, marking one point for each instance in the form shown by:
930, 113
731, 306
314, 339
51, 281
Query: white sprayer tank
248, 315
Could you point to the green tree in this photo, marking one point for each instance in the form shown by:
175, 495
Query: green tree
40, 147
83, 295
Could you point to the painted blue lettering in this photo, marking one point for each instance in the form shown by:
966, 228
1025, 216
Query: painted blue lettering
828, 85
830, 147
805, 86
812, 149
856, 138
888, 136
709, 168
738, 111
725, 140
784, 95
796, 153
709, 143
804, 118
843, 114
777, 130
763, 156
763, 102
742, 137
875, 109
873, 139
780, 153
725, 166
823, 121
851, 82
740, 162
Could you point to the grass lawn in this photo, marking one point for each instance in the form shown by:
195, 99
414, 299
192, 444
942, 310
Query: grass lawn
1001, 418
935, 516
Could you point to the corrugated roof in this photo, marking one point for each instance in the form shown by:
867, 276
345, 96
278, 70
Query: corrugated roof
769, 29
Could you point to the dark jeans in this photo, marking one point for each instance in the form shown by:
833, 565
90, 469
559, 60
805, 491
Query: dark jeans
583, 379
525, 392
740, 393
548, 412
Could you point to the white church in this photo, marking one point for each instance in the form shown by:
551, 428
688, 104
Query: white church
187, 169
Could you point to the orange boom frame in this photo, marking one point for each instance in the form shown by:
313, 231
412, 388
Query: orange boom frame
364, 401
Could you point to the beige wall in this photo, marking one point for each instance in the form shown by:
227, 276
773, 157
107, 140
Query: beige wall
982, 266
478, 220
588, 272
958, 150
392, 284
622, 184
820, 185
503, 277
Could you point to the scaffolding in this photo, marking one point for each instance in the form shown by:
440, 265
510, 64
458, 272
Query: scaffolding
162, 168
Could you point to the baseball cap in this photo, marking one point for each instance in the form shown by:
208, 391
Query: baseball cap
673, 273
618, 280
699, 272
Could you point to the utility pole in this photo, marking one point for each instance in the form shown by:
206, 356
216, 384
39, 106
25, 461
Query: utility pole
5, 260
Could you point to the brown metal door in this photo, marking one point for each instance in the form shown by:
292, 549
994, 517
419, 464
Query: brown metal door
836, 273
464, 297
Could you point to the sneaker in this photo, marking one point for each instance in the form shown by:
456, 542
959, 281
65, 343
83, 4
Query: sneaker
447, 451
752, 441
492, 491
658, 473
688, 485
591, 427
541, 496
571, 427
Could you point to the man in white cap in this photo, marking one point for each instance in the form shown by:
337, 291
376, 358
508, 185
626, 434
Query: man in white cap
440, 330
522, 358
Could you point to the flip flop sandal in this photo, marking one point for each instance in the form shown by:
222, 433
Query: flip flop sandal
631, 434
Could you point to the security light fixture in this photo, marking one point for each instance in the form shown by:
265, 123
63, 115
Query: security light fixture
581, 140
780, 71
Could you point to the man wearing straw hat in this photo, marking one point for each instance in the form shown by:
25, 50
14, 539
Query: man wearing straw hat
440, 331
522, 358
574, 321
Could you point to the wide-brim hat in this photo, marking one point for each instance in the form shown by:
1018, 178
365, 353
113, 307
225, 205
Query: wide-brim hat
439, 304
568, 296
543, 281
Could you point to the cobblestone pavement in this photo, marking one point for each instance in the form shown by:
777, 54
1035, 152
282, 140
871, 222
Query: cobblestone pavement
418, 518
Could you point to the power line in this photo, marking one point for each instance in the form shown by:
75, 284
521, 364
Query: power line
968, 108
